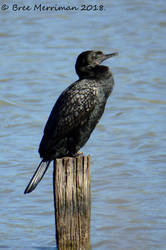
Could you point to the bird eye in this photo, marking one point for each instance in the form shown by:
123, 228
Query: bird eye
98, 54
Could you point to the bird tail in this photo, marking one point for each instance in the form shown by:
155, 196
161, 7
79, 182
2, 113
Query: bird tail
38, 175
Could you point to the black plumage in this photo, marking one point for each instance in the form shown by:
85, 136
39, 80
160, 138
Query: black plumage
76, 112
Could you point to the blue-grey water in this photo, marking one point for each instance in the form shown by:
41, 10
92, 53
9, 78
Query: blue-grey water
38, 50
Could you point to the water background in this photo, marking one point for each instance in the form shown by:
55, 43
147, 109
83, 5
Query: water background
128, 160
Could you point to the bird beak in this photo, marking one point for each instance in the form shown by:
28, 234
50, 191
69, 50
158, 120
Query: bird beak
105, 57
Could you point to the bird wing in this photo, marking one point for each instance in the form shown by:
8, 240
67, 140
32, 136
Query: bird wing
72, 109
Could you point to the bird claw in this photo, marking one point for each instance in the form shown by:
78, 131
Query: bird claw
78, 154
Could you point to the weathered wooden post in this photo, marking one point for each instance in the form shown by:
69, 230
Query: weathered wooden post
72, 202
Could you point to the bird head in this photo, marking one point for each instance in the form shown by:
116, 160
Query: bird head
91, 58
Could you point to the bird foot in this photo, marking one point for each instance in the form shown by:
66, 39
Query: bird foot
78, 154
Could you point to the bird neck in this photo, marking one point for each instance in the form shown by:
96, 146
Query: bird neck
98, 72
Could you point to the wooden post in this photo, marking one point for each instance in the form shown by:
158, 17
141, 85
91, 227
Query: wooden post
72, 202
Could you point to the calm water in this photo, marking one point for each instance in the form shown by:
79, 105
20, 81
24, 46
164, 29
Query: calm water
128, 170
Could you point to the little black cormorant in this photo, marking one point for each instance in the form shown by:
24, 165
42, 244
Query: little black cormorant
76, 112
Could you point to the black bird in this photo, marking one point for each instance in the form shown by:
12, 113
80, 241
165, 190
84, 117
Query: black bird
76, 112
